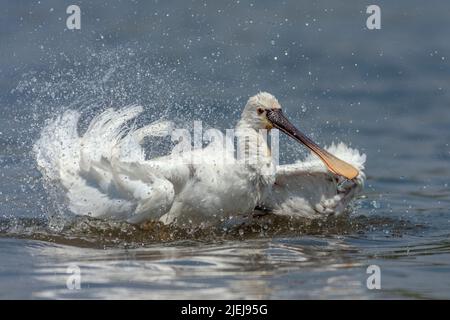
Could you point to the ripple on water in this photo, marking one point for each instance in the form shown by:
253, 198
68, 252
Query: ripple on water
96, 233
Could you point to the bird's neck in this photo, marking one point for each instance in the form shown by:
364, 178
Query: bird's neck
254, 154
252, 144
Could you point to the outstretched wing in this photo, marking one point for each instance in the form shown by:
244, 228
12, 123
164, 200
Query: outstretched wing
103, 172
308, 189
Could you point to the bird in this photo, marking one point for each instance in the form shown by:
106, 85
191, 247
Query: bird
104, 173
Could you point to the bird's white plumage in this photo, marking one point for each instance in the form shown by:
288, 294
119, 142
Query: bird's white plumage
306, 188
103, 172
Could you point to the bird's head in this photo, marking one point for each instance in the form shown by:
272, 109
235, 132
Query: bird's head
257, 108
263, 111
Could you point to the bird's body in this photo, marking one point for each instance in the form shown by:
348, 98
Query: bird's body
104, 173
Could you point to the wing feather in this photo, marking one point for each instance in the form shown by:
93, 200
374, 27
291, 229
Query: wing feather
103, 172
306, 188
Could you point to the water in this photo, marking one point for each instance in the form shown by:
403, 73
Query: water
385, 92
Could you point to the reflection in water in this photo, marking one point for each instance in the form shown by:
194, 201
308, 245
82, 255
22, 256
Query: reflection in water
267, 257
200, 266
241, 258
232, 270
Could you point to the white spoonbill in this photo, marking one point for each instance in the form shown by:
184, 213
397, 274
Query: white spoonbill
104, 173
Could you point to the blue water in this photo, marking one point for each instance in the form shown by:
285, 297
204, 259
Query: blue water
385, 92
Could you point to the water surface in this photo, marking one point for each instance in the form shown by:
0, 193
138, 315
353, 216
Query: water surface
386, 92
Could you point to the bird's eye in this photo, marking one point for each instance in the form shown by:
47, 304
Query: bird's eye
260, 110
